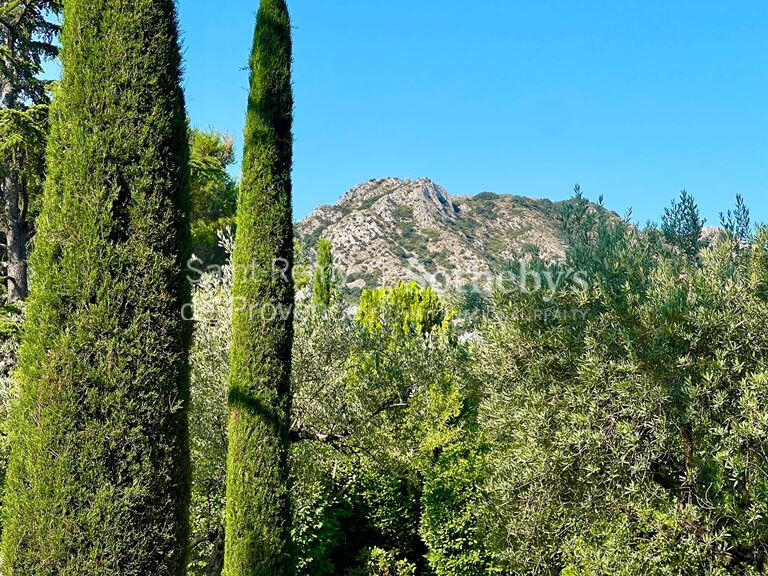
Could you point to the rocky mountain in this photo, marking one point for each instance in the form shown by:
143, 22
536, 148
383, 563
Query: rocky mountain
392, 230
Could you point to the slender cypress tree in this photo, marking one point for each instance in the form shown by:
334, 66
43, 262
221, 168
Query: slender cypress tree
258, 511
98, 478
324, 277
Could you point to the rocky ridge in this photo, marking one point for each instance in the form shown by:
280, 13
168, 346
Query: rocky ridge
391, 230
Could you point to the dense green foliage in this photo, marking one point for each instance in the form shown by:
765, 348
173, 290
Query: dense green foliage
682, 225
258, 510
626, 420
737, 222
213, 192
376, 397
23, 140
26, 40
97, 482
23, 135
209, 362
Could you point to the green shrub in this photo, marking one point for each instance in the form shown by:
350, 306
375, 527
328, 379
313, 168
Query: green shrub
624, 415
209, 364
213, 193
98, 478
450, 524
385, 563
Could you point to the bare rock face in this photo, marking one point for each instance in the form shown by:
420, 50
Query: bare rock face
392, 230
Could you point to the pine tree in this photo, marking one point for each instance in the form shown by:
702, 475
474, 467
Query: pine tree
26, 40
98, 478
738, 222
23, 135
258, 511
682, 226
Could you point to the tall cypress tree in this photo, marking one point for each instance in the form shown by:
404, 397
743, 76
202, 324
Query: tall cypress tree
98, 478
324, 277
258, 511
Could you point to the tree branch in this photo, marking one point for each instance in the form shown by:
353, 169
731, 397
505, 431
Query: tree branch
302, 434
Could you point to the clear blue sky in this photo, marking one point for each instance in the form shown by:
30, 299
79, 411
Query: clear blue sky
631, 99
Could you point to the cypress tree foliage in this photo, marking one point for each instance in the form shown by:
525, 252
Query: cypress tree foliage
98, 478
258, 511
324, 278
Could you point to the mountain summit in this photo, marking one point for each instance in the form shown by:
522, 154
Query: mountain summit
392, 230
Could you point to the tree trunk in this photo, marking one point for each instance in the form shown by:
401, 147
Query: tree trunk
216, 561
16, 242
